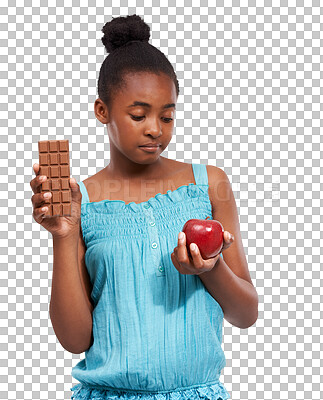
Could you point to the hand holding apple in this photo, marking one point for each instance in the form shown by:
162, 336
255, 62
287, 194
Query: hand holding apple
206, 234
190, 262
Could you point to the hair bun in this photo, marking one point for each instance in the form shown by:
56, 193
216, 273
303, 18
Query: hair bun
121, 30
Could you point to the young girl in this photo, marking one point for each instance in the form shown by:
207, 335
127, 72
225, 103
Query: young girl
147, 312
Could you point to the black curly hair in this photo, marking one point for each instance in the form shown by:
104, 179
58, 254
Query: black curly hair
126, 39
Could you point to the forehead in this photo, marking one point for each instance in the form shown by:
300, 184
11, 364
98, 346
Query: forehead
144, 86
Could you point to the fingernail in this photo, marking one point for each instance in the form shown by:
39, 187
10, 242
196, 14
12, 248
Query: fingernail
42, 178
193, 247
181, 236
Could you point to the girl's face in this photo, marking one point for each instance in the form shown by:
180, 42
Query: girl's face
131, 124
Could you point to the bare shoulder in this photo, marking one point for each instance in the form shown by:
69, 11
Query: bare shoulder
92, 179
215, 172
93, 185
224, 209
175, 167
220, 190
219, 184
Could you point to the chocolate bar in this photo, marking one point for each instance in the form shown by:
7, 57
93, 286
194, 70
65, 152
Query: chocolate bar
54, 162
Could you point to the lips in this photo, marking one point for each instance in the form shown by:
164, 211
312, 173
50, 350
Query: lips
150, 149
150, 145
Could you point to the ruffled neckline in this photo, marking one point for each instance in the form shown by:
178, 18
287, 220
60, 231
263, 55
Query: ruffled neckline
213, 391
159, 200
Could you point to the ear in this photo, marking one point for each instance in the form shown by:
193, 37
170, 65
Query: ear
101, 111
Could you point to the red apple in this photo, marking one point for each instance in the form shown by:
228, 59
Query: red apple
207, 235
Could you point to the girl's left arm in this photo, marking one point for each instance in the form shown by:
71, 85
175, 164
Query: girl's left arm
229, 281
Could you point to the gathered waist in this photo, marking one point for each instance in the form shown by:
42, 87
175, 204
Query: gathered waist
210, 390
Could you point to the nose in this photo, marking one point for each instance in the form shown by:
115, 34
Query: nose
154, 128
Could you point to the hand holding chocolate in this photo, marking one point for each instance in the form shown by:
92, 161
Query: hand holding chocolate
57, 197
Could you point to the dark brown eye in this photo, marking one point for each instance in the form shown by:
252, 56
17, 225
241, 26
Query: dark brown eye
138, 118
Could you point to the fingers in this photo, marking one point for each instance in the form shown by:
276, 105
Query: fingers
182, 253
196, 255
75, 191
228, 239
36, 168
73, 184
75, 187
38, 200
184, 256
183, 269
182, 249
41, 199
35, 183
177, 264
39, 213
42, 195
191, 262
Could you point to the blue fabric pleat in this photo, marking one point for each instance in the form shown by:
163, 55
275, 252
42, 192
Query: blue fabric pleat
157, 332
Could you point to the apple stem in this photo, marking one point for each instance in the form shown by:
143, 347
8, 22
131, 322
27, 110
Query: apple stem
207, 218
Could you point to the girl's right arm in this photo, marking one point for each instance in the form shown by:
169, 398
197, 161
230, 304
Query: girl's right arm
70, 305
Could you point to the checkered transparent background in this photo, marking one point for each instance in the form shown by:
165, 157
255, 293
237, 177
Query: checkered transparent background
250, 103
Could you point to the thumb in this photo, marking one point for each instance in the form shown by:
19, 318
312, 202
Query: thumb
75, 190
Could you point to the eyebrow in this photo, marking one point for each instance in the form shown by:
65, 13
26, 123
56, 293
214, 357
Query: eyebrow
141, 103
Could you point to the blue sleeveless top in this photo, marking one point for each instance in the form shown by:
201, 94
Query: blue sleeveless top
157, 333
